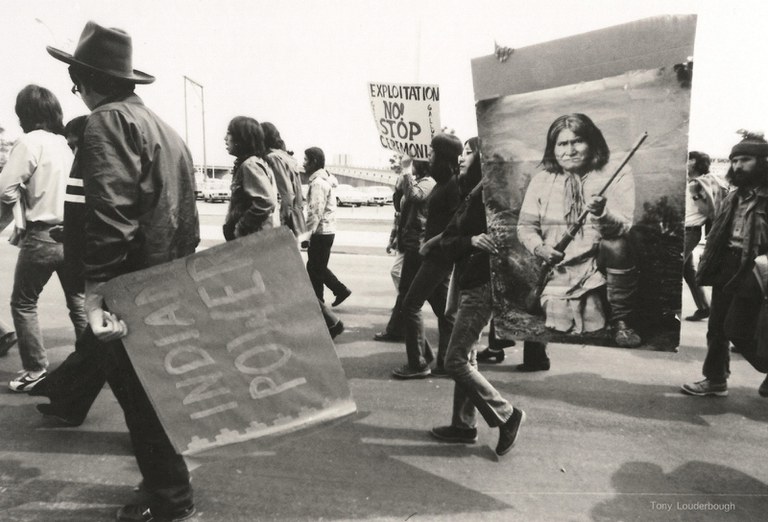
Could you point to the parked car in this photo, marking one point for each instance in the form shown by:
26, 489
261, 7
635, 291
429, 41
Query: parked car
347, 195
216, 190
379, 195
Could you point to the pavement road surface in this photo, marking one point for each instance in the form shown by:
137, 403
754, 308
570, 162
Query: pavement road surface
608, 436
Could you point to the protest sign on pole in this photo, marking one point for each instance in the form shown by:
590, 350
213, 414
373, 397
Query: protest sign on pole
230, 343
406, 116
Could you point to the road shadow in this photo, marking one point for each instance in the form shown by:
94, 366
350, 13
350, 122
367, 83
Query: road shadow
353, 470
27, 497
695, 491
644, 401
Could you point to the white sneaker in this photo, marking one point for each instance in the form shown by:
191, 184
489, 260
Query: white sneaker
25, 382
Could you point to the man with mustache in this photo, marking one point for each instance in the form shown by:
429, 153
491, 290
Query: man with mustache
739, 234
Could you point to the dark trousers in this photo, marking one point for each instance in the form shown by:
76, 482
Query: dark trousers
535, 353
318, 254
74, 385
692, 238
164, 471
430, 283
733, 316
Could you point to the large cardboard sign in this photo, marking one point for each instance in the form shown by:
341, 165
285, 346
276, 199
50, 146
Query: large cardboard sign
406, 116
555, 122
230, 343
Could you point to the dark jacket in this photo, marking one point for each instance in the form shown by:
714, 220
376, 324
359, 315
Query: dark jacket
473, 266
441, 206
755, 237
139, 186
413, 212
254, 199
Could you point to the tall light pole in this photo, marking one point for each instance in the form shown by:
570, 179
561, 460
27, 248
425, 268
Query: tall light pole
187, 79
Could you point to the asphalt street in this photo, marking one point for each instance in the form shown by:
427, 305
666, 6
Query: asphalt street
608, 435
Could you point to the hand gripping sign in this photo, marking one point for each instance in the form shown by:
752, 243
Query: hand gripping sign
406, 116
230, 344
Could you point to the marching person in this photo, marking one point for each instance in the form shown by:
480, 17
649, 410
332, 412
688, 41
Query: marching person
465, 240
739, 234
253, 204
286, 170
703, 196
599, 257
321, 224
138, 181
36, 173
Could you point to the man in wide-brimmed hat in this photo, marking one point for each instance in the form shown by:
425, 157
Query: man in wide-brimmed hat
138, 189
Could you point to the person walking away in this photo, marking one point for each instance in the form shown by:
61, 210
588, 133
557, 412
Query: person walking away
36, 174
703, 196
431, 267
321, 225
139, 188
286, 171
739, 234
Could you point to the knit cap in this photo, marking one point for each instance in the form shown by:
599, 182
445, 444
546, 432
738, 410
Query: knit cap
752, 144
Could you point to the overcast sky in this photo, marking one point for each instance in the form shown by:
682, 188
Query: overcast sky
304, 65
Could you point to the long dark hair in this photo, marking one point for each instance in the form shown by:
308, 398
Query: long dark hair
247, 136
702, 160
272, 139
39, 109
474, 172
584, 128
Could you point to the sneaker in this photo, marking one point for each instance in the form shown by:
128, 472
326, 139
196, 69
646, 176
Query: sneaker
706, 387
6, 342
763, 389
698, 315
25, 381
624, 336
340, 298
439, 372
142, 513
454, 434
386, 337
49, 410
336, 329
406, 372
508, 432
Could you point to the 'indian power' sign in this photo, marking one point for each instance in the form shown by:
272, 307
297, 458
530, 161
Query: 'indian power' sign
230, 343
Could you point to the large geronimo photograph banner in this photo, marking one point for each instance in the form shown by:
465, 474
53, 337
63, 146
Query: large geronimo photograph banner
584, 146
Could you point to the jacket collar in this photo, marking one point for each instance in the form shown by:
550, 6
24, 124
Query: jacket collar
130, 98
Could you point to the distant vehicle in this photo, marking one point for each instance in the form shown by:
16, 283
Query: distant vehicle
347, 195
216, 190
378, 195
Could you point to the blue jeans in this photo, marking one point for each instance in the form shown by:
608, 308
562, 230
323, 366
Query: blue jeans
472, 391
39, 257
429, 284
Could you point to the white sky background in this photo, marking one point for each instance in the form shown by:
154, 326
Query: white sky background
304, 65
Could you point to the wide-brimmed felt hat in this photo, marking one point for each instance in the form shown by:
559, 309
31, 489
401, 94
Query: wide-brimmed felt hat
106, 50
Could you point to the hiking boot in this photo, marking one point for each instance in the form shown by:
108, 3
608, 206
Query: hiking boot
336, 329
142, 513
698, 315
406, 372
624, 336
25, 381
454, 434
386, 337
50, 410
340, 298
508, 432
763, 389
706, 387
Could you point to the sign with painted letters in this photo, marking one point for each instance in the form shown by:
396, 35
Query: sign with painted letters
406, 116
230, 343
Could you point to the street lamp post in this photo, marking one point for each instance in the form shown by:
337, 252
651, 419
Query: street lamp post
187, 79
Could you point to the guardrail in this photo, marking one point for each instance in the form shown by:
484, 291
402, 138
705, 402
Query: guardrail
359, 175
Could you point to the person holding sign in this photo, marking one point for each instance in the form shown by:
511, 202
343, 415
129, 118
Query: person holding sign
599, 257
138, 180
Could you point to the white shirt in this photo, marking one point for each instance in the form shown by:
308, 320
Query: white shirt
36, 172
